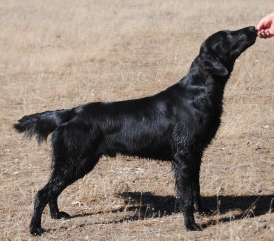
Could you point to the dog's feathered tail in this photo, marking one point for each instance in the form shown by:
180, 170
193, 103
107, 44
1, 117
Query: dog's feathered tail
42, 124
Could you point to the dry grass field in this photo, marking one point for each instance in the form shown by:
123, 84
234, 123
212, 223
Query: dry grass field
63, 53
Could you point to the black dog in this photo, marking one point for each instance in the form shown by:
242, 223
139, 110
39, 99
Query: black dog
176, 124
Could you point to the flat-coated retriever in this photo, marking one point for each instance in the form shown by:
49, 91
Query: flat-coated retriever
176, 125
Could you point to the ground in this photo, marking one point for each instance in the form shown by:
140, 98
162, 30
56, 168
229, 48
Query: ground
60, 54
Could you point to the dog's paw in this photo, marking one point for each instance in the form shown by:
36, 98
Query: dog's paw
193, 227
60, 215
37, 231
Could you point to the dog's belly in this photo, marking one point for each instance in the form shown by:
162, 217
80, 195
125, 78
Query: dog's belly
161, 152
146, 147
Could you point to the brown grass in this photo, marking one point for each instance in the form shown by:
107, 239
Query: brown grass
59, 54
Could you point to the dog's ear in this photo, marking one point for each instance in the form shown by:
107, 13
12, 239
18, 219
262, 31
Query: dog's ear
215, 67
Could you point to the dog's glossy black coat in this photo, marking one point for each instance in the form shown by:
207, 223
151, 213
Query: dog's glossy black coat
176, 124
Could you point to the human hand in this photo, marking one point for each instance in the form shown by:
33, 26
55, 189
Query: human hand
265, 28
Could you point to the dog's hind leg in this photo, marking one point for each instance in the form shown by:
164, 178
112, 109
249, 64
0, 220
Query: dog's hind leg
184, 177
61, 178
55, 185
54, 210
73, 155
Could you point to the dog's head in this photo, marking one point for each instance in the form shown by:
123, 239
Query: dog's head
221, 49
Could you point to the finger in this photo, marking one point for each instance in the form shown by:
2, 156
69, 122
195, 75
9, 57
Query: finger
259, 33
268, 33
263, 34
271, 31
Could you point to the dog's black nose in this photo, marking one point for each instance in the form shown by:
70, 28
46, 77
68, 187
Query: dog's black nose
252, 29
250, 32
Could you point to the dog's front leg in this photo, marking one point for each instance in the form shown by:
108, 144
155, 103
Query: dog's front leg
196, 189
185, 182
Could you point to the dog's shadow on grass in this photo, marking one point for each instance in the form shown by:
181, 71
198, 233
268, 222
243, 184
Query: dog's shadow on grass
146, 205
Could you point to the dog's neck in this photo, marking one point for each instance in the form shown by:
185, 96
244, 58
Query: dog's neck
196, 75
213, 84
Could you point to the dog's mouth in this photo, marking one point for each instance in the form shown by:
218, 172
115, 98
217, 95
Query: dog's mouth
251, 34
